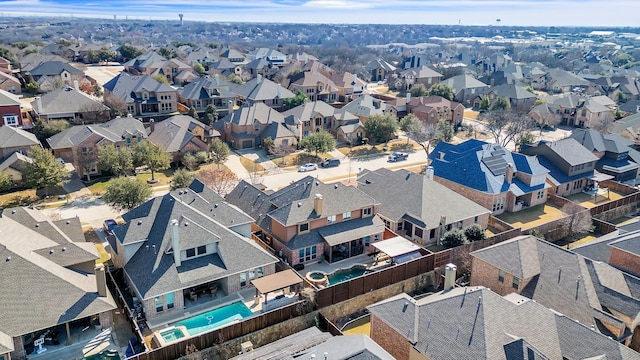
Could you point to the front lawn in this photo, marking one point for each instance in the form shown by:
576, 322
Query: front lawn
251, 165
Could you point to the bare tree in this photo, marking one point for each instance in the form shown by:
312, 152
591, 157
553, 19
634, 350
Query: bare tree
281, 150
578, 220
505, 126
417, 131
221, 180
116, 104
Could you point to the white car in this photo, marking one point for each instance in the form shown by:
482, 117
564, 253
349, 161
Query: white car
308, 167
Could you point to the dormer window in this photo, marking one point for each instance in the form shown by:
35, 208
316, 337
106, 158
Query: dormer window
331, 219
303, 227
366, 212
145, 95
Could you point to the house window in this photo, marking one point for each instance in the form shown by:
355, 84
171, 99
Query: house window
516, 283
366, 212
252, 274
432, 233
191, 253
128, 141
387, 223
257, 128
540, 194
498, 204
376, 237
260, 272
170, 301
367, 240
475, 219
331, 219
243, 279
568, 186
307, 254
346, 216
501, 275
159, 304
202, 250
400, 225
418, 232
303, 227
11, 120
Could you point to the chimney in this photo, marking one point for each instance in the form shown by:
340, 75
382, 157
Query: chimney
76, 85
508, 175
279, 91
230, 107
175, 242
493, 82
429, 172
38, 104
449, 276
152, 125
441, 153
317, 204
408, 98
101, 280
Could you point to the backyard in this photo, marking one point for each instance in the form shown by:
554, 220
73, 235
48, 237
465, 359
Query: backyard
532, 217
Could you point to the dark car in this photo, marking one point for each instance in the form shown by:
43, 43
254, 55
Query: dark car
330, 163
398, 156
109, 225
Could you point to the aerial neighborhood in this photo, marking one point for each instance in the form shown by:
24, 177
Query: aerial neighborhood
187, 190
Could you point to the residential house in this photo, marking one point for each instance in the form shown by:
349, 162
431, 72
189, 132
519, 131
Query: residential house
417, 207
309, 221
571, 166
205, 91
225, 68
464, 88
143, 95
143, 64
364, 106
315, 116
273, 56
50, 286
261, 90
616, 156
561, 81
183, 245
349, 86
70, 104
474, 323
80, 144
14, 140
518, 97
580, 288
14, 165
490, 175
180, 134
30, 61
260, 67
315, 86
380, 70
245, 128
627, 127
233, 56
431, 109
10, 83
5, 66
201, 56
421, 75
313, 343
625, 254
594, 113
51, 75
10, 110
497, 62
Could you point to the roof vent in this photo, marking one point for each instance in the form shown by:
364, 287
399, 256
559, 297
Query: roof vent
317, 183
64, 248
368, 181
186, 224
215, 205
299, 204
8, 259
51, 251
13, 211
335, 186
139, 222
37, 225
405, 306
68, 222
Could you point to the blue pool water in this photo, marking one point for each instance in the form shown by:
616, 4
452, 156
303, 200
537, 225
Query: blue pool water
215, 318
172, 335
341, 276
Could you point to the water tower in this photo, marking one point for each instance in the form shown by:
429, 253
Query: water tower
181, 22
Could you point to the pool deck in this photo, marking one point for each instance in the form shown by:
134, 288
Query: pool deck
328, 268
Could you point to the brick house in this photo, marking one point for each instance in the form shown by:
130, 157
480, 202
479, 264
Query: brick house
417, 207
475, 323
315, 85
465, 88
315, 116
490, 175
80, 144
431, 109
143, 95
625, 253
181, 134
10, 83
205, 91
349, 85
10, 111
70, 104
189, 247
578, 287
420, 75
380, 70
14, 140
308, 220
262, 90
571, 166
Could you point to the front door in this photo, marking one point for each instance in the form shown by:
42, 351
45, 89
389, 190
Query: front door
408, 229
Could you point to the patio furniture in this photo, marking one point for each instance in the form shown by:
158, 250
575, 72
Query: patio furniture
214, 290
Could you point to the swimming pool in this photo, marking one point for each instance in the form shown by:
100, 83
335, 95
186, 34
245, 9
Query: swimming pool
344, 275
215, 318
172, 335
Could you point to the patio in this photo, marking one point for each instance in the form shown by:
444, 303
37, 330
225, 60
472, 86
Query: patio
533, 216
590, 200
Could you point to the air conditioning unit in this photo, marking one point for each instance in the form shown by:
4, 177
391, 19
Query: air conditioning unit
246, 347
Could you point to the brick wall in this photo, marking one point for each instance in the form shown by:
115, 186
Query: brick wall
485, 274
478, 197
389, 339
625, 260
18, 353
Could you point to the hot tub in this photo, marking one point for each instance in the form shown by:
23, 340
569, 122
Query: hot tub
318, 278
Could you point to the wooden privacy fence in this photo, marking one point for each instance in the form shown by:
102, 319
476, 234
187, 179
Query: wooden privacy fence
627, 200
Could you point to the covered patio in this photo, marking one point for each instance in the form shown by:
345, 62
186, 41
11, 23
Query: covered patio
396, 250
278, 289
350, 238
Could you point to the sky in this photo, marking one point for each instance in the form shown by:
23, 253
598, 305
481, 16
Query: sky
602, 13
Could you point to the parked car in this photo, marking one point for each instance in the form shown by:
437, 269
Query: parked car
308, 167
330, 163
398, 156
108, 226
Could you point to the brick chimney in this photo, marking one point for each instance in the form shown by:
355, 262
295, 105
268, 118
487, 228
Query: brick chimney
76, 85
508, 174
101, 280
408, 98
449, 276
317, 203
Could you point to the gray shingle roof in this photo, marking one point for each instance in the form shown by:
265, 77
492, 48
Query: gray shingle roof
51, 68
14, 137
565, 281
7, 100
402, 192
464, 81
476, 323
207, 88
172, 136
112, 130
255, 113
261, 89
37, 291
126, 85
365, 106
203, 218
68, 100
571, 151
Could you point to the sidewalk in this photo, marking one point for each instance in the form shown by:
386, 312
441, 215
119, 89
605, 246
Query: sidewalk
234, 164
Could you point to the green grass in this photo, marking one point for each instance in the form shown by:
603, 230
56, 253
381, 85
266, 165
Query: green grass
99, 187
